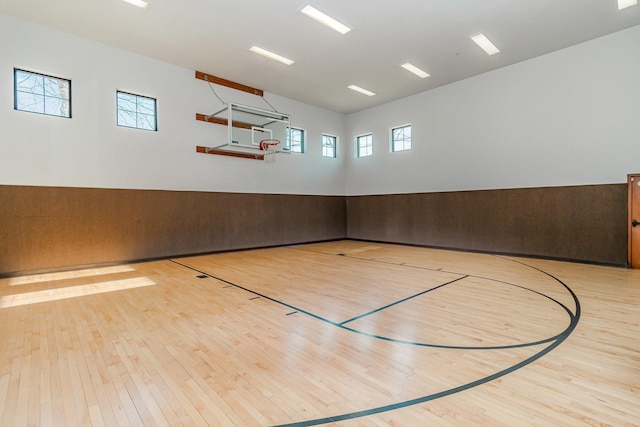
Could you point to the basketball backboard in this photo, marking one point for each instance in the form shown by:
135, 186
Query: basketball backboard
247, 128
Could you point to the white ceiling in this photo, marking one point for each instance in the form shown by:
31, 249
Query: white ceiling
214, 37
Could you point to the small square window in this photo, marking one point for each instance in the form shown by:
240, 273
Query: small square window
329, 143
295, 140
364, 145
401, 138
136, 111
39, 93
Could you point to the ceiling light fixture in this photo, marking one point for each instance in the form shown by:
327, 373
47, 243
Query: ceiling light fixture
139, 3
482, 41
415, 70
359, 89
271, 55
314, 13
623, 4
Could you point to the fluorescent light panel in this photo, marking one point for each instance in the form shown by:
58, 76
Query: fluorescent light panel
139, 3
482, 41
324, 19
271, 55
361, 90
415, 70
623, 4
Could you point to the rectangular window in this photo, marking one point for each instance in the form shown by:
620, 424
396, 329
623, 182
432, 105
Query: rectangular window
401, 138
135, 111
39, 93
295, 140
329, 143
365, 145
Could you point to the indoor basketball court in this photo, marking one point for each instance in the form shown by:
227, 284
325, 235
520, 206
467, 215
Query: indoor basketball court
320, 213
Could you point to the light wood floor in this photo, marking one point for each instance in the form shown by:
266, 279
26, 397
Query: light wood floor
341, 333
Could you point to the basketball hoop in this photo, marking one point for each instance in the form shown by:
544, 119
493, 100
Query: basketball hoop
270, 148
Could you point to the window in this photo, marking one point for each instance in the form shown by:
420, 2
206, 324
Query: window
401, 138
135, 111
329, 143
39, 93
295, 140
365, 145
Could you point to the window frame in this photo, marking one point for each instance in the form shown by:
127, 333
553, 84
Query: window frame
369, 153
136, 113
303, 140
392, 140
44, 96
334, 146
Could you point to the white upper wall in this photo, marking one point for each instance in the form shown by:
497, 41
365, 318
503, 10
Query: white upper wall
89, 150
567, 118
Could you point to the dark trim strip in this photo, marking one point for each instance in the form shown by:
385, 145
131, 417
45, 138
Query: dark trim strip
400, 301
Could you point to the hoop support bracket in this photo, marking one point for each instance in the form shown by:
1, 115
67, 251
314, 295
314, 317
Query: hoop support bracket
228, 83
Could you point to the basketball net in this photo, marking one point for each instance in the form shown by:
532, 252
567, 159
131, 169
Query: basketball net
270, 148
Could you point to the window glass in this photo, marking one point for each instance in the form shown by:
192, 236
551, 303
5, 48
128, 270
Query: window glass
401, 138
136, 111
39, 93
295, 140
329, 145
365, 145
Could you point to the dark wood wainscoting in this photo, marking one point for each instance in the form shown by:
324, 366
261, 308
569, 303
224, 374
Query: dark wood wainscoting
50, 228
580, 223
47, 228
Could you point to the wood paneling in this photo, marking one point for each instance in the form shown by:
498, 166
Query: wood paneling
228, 83
222, 151
221, 121
45, 228
581, 223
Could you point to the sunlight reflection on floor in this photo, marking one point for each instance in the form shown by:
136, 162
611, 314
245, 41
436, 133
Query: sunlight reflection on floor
73, 291
63, 275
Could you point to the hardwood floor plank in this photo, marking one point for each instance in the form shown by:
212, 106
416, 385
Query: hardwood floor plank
374, 334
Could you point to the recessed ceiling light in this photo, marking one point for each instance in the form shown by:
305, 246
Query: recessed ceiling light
271, 55
359, 89
415, 70
314, 13
140, 3
482, 41
623, 4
